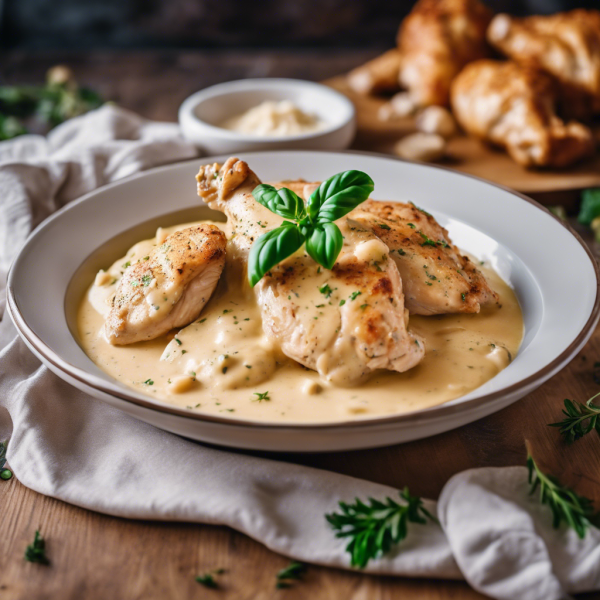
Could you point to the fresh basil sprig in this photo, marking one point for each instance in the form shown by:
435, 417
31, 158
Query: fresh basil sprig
311, 224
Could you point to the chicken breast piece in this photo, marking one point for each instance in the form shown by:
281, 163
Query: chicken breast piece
566, 45
436, 278
513, 106
344, 323
170, 288
436, 40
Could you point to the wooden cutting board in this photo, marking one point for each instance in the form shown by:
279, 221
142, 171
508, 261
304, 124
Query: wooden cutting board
466, 154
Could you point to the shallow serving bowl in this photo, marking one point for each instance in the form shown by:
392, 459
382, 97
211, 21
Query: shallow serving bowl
201, 113
550, 268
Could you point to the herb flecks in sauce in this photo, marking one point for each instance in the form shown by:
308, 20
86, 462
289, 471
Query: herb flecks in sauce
442, 376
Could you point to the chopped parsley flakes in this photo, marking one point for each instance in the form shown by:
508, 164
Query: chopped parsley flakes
261, 396
326, 290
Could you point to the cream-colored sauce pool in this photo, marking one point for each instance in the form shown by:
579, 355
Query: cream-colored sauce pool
223, 364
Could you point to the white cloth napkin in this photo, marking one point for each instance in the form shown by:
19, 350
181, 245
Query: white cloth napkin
70, 446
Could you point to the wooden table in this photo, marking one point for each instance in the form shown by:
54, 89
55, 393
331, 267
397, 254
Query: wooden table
98, 557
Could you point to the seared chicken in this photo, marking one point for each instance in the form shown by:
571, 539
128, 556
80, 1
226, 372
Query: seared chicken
513, 106
344, 323
436, 278
169, 287
566, 45
377, 75
436, 40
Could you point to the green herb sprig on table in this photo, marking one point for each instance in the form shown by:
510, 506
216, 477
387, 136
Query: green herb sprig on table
208, 579
36, 551
5, 474
566, 505
311, 224
375, 527
579, 419
61, 98
294, 571
589, 212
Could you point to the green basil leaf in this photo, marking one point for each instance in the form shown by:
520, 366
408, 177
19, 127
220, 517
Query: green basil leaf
271, 248
590, 206
324, 244
338, 195
282, 202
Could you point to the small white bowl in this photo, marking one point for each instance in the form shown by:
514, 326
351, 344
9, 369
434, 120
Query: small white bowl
200, 114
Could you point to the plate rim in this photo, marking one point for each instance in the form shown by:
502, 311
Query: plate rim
440, 411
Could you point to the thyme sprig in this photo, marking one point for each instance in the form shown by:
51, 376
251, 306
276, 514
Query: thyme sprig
375, 527
579, 419
208, 579
36, 551
295, 570
567, 506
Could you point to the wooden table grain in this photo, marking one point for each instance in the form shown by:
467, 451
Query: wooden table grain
96, 557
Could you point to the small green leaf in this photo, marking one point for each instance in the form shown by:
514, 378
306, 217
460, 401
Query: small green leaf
271, 248
262, 396
207, 580
427, 241
283, 202
325, 244
590, 206
36, 551
338, 195
326, 291
295, 570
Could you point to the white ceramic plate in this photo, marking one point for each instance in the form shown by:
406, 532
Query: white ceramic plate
550, 268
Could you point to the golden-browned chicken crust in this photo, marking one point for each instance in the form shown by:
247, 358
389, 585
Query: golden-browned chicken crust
514, 106
377, 75
566, 45
169, 287
436, 40
436, 278
459, 286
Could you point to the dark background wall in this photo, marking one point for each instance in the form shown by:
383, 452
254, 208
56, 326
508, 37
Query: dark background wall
65, 24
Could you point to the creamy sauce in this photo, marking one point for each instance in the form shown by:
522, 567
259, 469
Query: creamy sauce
223, 364
274, 119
